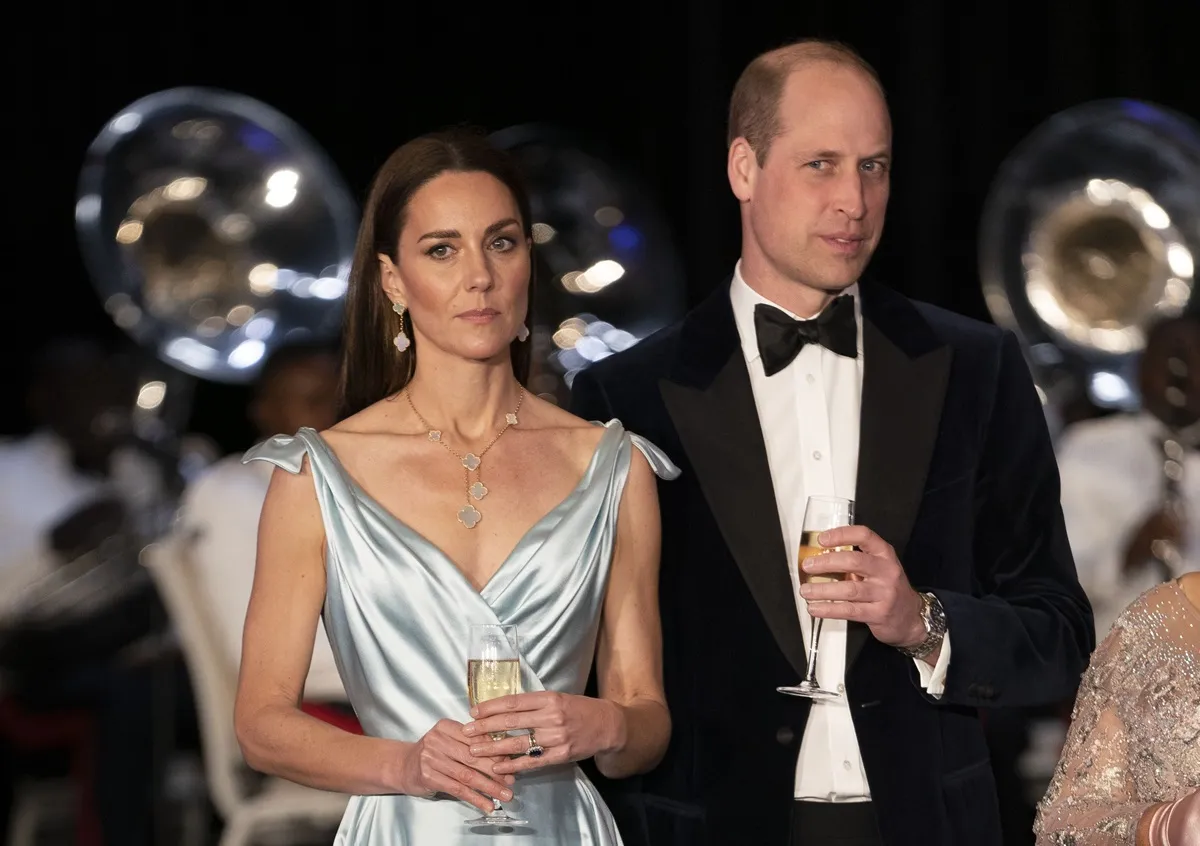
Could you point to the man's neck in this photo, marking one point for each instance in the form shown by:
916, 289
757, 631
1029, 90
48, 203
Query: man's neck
799, 298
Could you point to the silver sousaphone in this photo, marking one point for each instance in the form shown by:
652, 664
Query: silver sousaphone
1089, 236
609, 272
214, 229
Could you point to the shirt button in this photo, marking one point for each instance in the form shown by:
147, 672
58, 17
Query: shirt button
846, 765
810, 378
841, 688
817, 454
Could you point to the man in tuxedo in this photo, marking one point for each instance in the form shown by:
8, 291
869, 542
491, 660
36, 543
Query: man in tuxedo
798, 378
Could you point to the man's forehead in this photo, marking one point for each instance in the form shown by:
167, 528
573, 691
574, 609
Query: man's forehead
850, 114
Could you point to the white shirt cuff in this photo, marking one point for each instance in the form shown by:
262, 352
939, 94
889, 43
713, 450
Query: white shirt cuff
933, 679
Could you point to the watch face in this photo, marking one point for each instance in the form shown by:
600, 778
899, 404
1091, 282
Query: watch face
934, 620
937, 616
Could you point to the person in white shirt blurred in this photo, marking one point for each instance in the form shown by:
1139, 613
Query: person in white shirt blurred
70, 483
65, 489
297, 387
1112, 471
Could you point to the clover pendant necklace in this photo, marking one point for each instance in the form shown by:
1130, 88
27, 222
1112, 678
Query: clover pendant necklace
469, 515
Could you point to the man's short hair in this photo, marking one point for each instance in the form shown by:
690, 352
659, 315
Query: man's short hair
754, 106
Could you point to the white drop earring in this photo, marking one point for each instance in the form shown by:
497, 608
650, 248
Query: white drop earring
401, 340
523, 333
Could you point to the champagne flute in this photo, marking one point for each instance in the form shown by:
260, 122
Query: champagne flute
493, 670
821, 514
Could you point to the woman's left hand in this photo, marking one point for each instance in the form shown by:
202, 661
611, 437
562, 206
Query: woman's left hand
567, 727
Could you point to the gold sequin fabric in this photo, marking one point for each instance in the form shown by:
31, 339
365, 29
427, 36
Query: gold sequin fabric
1135, 730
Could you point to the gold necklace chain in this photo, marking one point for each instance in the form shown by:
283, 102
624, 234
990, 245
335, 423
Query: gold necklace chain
469, 515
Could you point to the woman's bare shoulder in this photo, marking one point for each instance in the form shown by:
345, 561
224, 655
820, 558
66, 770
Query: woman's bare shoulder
382, 417
543, 414
366, 429
575, 438
538, 413
1189, 583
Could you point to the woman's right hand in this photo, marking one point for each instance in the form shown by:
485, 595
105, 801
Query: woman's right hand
441, 762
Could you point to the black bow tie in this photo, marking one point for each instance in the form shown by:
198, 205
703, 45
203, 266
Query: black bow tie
780, 338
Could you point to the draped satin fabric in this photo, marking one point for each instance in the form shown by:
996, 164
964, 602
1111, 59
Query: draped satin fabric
397, 613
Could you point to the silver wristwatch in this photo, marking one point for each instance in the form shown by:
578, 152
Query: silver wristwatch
934, 619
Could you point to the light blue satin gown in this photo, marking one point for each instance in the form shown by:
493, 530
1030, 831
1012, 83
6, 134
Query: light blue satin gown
397, 612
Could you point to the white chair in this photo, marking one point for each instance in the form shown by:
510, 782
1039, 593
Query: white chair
252, 807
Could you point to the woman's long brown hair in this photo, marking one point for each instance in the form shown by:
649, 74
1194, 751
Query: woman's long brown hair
372, 367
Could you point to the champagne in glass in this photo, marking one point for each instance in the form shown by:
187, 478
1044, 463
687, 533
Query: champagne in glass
808, 548
493, 670
492, 679
821, 514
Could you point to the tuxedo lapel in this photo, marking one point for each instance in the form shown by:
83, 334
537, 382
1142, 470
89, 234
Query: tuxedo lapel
711, 403
905, 373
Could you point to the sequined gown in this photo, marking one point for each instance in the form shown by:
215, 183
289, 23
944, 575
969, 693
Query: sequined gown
1135, 732
398, 611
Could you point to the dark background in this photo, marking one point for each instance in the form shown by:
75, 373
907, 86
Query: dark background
648, 81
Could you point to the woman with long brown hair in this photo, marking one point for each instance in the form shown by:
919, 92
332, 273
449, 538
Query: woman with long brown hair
449, 497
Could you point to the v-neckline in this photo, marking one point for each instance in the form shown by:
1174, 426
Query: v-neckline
375, 505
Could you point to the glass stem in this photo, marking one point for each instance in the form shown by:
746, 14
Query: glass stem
813, 650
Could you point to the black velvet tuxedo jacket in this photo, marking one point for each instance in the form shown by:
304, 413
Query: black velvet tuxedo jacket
956, 470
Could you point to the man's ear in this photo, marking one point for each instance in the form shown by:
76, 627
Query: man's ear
742, 169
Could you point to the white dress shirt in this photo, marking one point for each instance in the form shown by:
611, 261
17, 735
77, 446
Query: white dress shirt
809, 413
39, 488
1112, 480
222, 508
